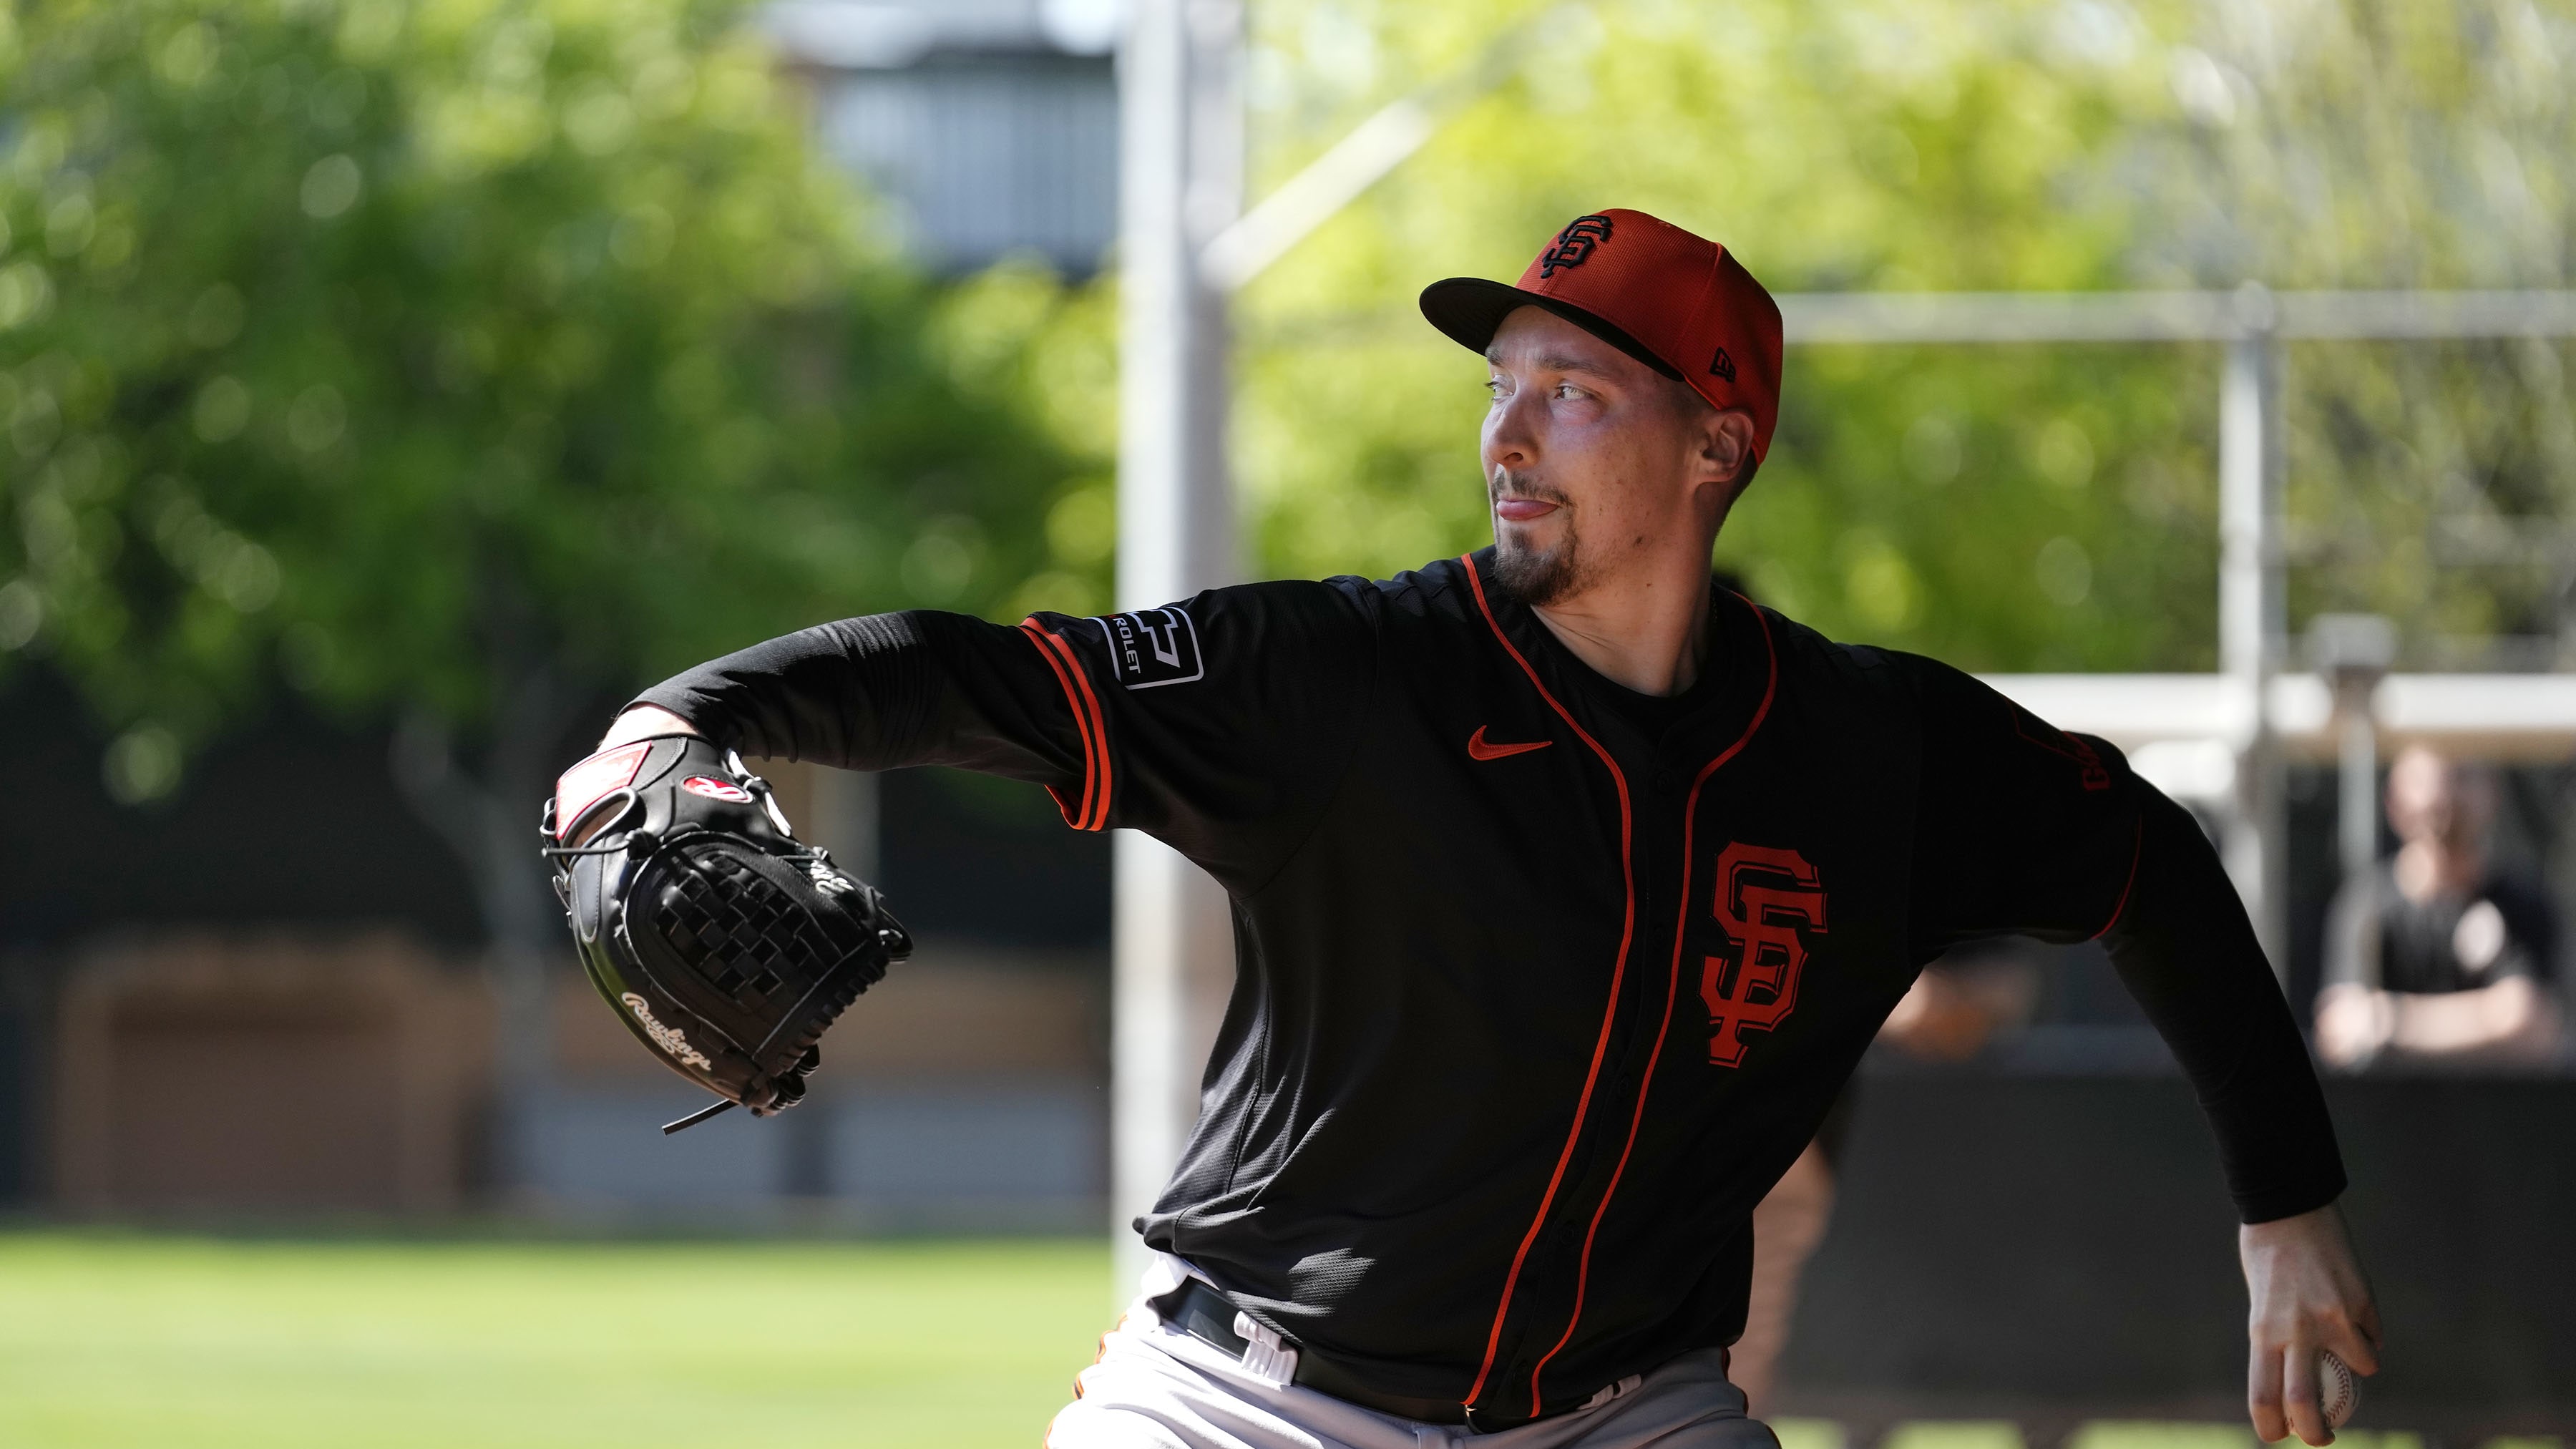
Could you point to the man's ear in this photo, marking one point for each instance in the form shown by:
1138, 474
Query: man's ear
1726, 446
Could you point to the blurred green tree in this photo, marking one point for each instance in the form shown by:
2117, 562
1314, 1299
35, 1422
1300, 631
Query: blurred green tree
2005, 508
426, 344
475, 359
2367, 144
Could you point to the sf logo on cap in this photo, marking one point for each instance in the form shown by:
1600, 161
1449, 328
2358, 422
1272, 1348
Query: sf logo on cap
1574, 244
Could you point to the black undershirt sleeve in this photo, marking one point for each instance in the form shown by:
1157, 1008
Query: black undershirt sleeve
2024, 829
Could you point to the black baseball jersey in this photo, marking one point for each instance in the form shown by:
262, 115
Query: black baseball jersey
1539, 991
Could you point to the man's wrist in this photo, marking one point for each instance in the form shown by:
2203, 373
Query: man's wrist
2295, 1191
644, 722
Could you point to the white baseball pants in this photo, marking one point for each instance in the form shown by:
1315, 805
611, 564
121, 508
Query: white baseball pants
1156, 1387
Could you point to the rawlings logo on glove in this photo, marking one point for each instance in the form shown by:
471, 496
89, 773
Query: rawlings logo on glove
673, 1045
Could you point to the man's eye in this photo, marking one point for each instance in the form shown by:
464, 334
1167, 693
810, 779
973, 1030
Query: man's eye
1494, 388
1568, 390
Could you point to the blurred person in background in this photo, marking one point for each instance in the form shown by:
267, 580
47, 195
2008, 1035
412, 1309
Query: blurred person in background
2439, 955
1953, 1009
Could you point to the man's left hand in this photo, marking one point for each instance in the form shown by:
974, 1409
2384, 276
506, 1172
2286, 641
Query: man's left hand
2308, 1294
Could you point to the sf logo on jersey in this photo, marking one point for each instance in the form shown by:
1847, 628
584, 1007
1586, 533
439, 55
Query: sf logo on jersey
1766, 898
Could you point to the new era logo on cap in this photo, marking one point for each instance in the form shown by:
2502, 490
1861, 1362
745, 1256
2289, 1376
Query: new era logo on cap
1679, 303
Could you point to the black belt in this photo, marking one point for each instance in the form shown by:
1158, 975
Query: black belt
1209, 1316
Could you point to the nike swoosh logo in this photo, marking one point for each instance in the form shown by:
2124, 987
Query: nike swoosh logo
1478, 749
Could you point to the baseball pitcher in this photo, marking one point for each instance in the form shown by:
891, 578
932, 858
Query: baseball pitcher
1567, 891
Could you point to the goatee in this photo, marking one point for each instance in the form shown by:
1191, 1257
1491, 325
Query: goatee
1536, 576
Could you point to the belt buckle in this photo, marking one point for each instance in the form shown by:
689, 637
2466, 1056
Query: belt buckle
1199, 1310
1265, 1354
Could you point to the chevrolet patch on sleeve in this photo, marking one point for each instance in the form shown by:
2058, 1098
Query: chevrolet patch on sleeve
1153, 647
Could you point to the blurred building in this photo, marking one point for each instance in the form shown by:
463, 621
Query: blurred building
990, 126
263, 997
208, 1006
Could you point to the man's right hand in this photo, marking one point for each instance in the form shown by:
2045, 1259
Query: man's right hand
2308, 1294
643, 722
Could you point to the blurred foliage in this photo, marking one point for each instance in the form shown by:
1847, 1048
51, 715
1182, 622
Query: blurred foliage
385, 346
2005, 508
1048, 353
396, 347
2390, 145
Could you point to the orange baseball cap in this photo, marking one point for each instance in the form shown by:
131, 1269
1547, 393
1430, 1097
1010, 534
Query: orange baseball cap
1679, 303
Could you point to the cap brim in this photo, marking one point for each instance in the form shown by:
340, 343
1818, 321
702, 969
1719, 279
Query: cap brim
1470, 310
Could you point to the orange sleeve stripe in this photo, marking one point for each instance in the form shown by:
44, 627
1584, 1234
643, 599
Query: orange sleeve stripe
1075, 815
1099, 729
1094, 812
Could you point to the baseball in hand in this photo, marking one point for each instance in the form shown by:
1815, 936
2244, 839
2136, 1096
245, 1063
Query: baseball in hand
2335, 1392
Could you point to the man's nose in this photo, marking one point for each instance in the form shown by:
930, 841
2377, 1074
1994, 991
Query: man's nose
1510, 440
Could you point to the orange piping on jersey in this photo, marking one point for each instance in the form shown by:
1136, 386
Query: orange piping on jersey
1093, 752
2137, 847
1099, 815
1672, 992
1609, 1014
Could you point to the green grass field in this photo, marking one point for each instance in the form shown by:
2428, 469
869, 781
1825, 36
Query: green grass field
160, 1341
111, 1341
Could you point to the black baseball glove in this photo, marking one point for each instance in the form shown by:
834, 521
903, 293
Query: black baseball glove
723, 943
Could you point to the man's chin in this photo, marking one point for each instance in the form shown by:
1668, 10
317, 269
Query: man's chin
1537, 576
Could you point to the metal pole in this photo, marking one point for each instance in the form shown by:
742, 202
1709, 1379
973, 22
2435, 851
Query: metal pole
2355, 652
2357, 805
1180, 184
2251, 619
